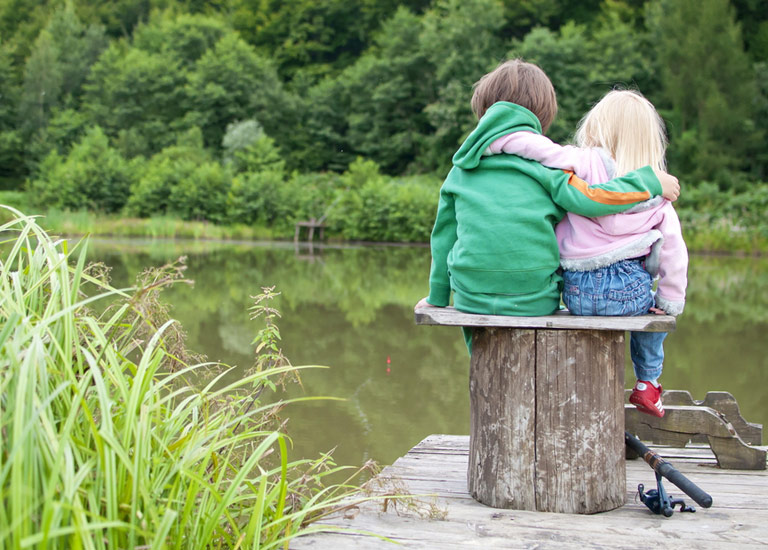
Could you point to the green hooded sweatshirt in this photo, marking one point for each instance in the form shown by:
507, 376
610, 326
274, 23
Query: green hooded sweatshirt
493, 243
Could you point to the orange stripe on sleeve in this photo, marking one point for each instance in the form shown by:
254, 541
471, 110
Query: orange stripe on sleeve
605, 197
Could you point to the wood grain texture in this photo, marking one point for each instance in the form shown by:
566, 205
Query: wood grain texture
684, 423
435, 469
725, 404
448, 316
547, 420
502, 394
579, 421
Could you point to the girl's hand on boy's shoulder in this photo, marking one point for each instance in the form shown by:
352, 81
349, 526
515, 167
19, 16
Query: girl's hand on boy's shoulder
670, 187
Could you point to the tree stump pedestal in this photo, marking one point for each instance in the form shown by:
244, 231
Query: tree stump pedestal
547, 408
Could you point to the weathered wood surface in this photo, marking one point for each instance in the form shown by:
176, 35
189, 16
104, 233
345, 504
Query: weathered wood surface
580, 419
722, 402
502, 402
547, 419
435, 469
579, 425
448, 316
683, 423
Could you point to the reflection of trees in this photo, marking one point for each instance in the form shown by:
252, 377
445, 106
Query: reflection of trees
350, 311
729, 288
354, 308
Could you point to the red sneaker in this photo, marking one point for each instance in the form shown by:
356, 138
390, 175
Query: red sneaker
647, 398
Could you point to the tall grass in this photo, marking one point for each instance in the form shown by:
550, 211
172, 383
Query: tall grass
82, 222
104, 444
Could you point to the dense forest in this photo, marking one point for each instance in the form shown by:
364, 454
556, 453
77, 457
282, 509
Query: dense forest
263, 112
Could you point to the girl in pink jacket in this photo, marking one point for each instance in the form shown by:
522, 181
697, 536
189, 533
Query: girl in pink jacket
609, 263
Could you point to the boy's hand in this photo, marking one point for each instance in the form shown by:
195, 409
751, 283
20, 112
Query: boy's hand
422, 303
670, 187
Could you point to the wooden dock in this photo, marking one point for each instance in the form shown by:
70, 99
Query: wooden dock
436, 470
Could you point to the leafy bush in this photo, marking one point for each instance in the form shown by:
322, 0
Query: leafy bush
184, 181
260, 197
314, 195
378, 208
717, 220
92, 175
203, 194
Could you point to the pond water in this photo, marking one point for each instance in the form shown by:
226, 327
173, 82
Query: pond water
351, 309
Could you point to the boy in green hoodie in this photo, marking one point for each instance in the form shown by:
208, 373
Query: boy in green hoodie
493, 243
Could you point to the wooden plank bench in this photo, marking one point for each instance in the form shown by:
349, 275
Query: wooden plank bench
547, 408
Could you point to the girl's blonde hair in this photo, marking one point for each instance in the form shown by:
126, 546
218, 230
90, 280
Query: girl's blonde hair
626, 125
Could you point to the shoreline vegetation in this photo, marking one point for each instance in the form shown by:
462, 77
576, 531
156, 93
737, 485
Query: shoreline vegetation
116, 436
714, 222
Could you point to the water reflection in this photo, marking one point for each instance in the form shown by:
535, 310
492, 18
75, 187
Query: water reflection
350, 308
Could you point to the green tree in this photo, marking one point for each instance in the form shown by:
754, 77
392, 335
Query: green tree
315, 38
183, 180
759, 152
202, 194
231, 82
58, 65
753, 18
20, 23
461, 40
182, 36
584, 63
119, 17
385, 93
182, 72
11, 143
709, 83
137, 96
261, 197
521, 16
406, 100
42, 83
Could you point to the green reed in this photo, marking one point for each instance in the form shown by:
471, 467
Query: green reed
105, 440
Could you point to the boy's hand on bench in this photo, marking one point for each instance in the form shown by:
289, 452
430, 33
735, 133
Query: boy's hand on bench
422, 303
670, 187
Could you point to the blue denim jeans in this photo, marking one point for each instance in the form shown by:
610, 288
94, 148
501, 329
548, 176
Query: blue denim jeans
622, 289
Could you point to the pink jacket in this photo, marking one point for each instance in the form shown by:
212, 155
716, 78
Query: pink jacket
649, 229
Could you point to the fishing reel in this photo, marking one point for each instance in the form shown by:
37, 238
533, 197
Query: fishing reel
659, 502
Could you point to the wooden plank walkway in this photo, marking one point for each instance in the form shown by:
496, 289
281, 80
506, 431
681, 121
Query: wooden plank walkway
436, 469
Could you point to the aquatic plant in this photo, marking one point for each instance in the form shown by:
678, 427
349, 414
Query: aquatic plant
110, 436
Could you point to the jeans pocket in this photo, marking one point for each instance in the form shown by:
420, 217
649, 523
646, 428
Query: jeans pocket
635, 288
633, 300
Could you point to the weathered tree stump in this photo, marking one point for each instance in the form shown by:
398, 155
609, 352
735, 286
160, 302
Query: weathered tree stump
547, 408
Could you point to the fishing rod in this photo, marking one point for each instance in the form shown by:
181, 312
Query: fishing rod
657, 500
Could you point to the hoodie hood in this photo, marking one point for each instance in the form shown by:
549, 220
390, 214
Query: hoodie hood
500, 119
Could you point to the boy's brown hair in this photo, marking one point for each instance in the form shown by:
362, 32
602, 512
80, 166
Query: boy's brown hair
517, 82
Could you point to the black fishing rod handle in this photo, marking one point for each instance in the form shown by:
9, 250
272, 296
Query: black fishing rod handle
686, 485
